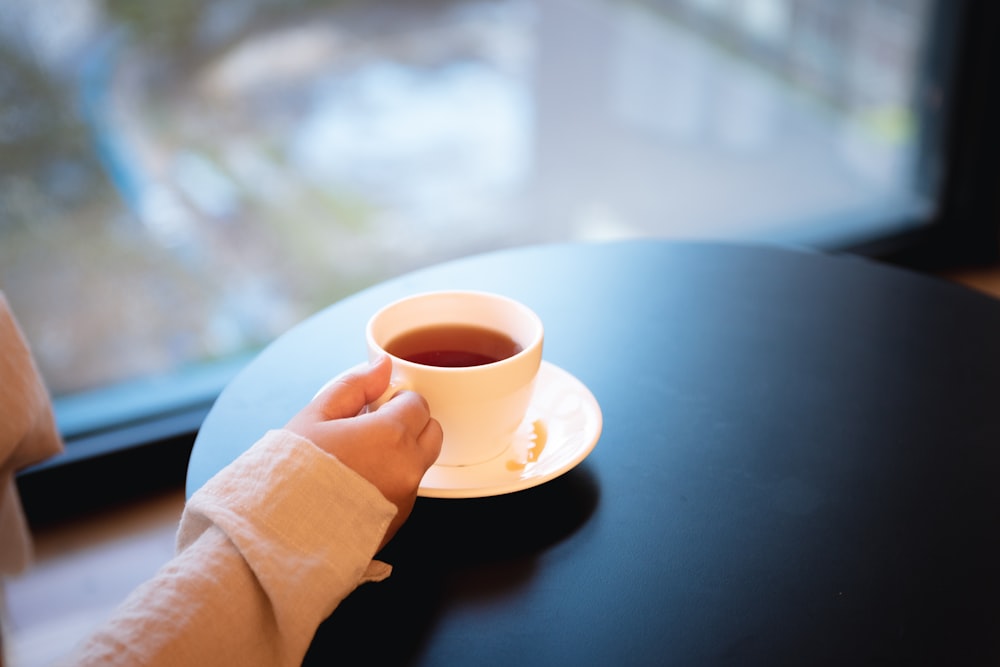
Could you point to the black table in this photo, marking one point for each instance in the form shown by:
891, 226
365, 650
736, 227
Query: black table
800, 464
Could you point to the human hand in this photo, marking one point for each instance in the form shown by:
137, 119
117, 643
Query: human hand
391, 447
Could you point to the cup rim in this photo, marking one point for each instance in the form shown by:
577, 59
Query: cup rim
534, 343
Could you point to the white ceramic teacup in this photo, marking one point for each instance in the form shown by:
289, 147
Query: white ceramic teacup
479, 407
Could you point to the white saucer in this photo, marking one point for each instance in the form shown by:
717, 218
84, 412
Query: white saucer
561, 428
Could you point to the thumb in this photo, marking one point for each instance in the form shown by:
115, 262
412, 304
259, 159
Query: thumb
347, 394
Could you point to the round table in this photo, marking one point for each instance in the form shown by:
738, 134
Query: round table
799, 464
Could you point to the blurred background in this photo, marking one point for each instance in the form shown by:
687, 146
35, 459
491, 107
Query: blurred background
182, 181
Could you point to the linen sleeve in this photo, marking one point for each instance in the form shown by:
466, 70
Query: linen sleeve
266, 550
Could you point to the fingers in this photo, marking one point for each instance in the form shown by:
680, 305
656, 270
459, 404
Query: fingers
408, 408
411, 411
429, 441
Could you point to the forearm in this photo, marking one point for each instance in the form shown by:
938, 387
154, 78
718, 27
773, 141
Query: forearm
267, 549
205, 607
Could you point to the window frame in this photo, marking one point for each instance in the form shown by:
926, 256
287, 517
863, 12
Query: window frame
964, 229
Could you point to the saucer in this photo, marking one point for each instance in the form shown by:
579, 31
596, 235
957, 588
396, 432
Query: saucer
561, 428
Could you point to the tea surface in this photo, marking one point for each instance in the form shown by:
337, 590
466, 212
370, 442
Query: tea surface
453, 346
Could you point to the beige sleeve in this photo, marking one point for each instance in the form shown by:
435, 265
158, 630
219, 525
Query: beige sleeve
266, 550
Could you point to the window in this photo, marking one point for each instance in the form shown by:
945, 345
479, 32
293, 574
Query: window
182, 181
